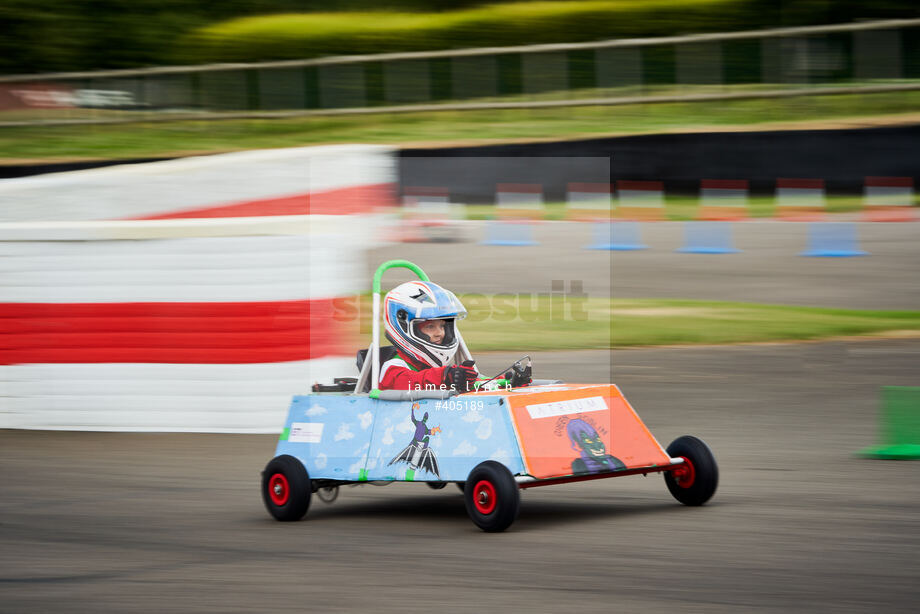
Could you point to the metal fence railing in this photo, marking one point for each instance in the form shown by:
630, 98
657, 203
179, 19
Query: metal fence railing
865, 57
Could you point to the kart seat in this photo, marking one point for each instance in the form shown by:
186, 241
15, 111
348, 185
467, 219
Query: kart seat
386, 353
348, 384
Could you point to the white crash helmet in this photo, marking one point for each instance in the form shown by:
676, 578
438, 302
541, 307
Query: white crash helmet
407, 306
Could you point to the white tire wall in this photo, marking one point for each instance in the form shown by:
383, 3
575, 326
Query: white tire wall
334, 179
206, 325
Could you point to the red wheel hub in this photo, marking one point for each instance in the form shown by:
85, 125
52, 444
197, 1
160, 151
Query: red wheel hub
278, 489
685, 475
484, 497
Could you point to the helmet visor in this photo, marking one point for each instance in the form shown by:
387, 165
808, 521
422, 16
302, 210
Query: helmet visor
437, 332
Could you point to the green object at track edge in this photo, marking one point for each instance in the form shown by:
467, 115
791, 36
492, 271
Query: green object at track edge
899, 427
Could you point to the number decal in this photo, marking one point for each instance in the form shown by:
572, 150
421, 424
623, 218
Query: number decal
452, 405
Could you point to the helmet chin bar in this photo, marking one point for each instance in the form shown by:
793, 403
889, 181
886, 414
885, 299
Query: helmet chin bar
463, 353
435, 353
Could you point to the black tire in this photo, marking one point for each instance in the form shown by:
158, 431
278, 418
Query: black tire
492, 497
696, 484
436, 485
286, 488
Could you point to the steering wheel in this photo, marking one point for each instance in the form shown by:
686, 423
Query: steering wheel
522, 367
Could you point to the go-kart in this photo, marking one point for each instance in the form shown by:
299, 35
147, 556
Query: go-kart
492, 442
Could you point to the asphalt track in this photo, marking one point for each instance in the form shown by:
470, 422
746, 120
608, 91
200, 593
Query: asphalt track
94, 522
122, 522
768, 269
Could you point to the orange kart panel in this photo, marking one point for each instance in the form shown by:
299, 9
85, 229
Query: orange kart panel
579, 429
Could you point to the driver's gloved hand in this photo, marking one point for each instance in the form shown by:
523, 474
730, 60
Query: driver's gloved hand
519, 378
460, 378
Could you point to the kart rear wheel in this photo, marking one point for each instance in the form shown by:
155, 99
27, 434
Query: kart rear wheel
286, 488
492, 497
436, 485
696, 480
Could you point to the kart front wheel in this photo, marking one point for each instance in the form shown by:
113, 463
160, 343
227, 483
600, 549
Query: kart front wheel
695, 480
286, 488
492, 497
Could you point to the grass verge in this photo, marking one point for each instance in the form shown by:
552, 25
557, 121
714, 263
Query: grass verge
668, 322
682, 208
525, 322
121, 141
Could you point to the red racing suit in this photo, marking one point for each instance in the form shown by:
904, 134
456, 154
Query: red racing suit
396, 374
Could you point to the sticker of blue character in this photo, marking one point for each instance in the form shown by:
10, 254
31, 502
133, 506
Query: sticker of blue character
417, 454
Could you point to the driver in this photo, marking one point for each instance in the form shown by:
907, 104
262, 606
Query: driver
420, 321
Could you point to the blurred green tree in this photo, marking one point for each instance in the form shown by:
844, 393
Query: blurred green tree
66, 35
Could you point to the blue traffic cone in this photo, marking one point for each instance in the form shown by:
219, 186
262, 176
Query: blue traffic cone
708, 238
833, 240
509, 232
616, 235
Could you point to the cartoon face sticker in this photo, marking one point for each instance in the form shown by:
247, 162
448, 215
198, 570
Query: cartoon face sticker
593, 457
590, 442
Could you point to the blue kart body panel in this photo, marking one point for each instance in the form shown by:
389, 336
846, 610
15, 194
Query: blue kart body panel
356, 438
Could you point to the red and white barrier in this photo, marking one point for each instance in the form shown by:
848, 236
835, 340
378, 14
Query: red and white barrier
204, 324
335, 179
140, 326
889, 199
518, 207
800, 200
519, 201
723, 200
588, 202
640, 200
428, 215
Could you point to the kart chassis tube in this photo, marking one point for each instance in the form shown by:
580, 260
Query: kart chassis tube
525, 481
528, 482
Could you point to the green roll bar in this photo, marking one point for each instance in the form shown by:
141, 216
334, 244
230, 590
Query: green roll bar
397, 264
375, 340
